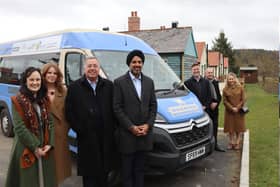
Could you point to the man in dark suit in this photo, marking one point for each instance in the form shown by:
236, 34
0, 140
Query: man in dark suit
200, 87
214, 106
90, 114
135, 107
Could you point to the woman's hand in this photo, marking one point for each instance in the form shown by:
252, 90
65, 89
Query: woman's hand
39, 152
235, 109
46, 148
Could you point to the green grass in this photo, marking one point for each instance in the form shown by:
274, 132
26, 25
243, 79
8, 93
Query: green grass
263, 123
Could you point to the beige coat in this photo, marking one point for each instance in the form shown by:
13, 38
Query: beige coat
61, 127
234, 96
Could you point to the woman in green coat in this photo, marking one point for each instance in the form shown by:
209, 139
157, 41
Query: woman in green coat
32, 160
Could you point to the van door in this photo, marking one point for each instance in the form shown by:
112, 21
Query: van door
73, 66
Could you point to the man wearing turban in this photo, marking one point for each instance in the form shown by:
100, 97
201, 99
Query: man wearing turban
135, 107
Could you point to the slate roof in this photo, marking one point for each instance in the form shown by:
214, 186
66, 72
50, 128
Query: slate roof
168, 40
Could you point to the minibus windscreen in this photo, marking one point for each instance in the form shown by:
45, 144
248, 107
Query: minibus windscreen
114, 65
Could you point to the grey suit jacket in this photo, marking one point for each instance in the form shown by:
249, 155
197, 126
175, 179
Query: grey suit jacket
131, 110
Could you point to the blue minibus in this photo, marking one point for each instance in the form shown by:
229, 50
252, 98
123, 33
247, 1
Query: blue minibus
182, 131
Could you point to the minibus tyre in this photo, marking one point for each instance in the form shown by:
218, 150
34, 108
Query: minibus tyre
114, 178
6, 123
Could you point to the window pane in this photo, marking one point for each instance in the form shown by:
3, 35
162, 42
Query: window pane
11, 68
114, 65
73, 68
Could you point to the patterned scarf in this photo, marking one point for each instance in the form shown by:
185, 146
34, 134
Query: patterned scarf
29, 114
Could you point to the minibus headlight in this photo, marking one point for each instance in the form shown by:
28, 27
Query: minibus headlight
160, 119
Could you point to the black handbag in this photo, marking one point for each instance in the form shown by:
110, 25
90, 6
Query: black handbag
244, 110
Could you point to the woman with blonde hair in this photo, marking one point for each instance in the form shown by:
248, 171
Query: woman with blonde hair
53, 78
234, 121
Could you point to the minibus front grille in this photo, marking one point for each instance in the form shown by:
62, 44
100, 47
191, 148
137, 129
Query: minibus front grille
191, 136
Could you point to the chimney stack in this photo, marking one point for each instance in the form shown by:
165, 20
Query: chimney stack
162, 27
174, 24
133, 22
105, 28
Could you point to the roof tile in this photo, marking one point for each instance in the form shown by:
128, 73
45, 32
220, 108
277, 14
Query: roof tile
199, 47
213, 58
226, 62
168, 40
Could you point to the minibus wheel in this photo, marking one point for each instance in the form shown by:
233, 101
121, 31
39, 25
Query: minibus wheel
6, 123
114, 178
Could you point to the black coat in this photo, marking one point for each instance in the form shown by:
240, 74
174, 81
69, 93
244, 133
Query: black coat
219, 97
201, 89
81, 114
130, 110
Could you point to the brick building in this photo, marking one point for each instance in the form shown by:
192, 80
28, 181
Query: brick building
175, 44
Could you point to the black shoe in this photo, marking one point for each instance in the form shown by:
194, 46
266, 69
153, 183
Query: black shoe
217, 148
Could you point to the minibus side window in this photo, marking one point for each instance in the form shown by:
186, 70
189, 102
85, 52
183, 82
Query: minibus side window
73, 67
12, 67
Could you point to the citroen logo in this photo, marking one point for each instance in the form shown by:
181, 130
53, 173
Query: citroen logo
192, 123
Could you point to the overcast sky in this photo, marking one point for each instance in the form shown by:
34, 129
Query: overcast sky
246, 23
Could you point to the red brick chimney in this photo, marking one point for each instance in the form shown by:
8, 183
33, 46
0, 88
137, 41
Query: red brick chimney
133, 22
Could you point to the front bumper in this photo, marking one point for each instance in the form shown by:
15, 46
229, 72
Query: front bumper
170, 152
160, 163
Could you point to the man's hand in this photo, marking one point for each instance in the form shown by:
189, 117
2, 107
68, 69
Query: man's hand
135, 130
143, 129
140, 130
213, 105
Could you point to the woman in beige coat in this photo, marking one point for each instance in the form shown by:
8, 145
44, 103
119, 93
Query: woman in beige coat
234, 121
57, 92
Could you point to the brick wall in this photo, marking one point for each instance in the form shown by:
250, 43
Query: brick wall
133, 22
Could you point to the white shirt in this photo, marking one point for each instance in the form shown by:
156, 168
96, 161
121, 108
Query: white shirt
93, 84
137, 83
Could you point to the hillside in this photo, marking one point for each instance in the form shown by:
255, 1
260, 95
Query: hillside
266, 61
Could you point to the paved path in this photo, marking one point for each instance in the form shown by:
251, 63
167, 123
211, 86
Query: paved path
221, 86
219, 169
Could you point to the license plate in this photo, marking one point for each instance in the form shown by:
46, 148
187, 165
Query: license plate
195, 154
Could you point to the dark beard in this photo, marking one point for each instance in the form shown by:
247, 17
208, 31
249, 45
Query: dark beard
136, 74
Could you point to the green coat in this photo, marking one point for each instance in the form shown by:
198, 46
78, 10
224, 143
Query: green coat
28, 177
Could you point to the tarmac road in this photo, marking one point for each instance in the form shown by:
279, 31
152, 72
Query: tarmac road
217, 170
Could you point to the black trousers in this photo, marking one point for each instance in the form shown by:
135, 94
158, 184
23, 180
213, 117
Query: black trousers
133, 169
214, 115
92, 181
101, 179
